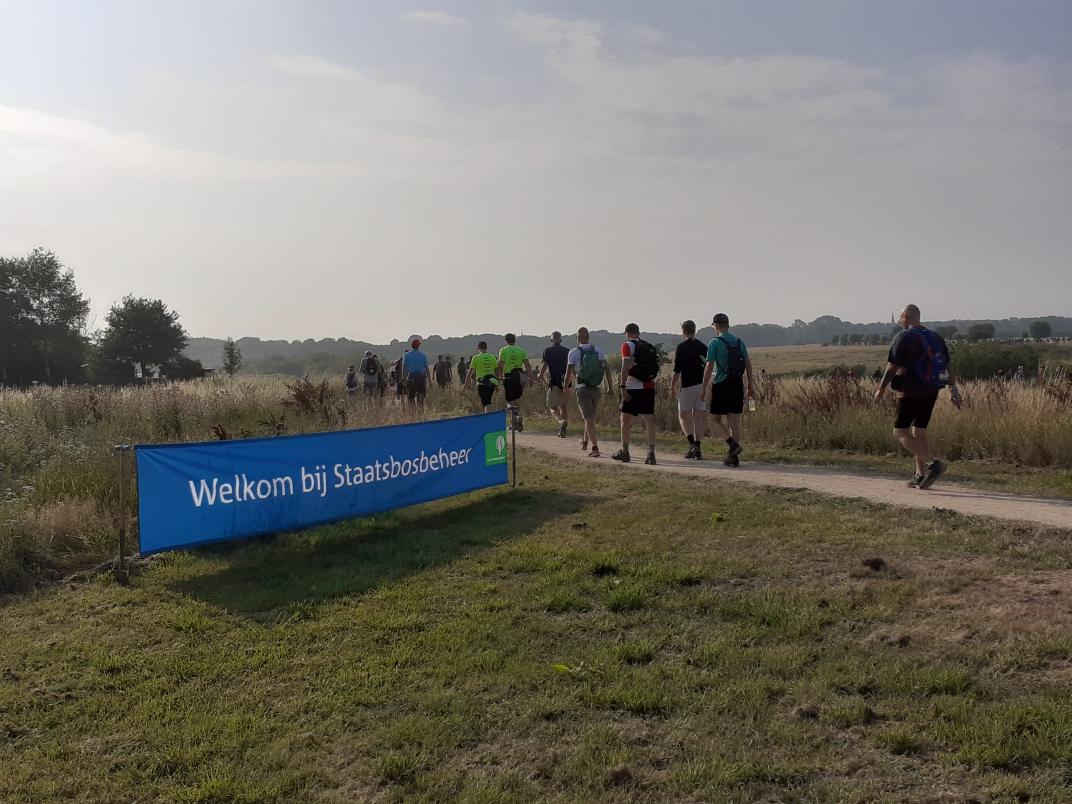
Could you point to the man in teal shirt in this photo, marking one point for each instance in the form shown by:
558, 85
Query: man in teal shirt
727, 359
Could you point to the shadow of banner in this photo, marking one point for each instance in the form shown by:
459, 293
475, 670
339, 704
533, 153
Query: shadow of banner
291, 574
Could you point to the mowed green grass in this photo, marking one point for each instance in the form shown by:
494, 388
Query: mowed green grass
598, 634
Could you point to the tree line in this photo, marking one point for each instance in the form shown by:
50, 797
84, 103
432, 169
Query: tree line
44, 337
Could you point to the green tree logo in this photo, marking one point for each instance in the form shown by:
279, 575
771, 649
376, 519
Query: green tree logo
495, 448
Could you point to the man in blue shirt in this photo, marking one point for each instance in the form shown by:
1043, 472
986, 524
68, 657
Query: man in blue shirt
728, 361
415, 370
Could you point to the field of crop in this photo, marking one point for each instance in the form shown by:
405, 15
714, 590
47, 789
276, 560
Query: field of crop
800, 359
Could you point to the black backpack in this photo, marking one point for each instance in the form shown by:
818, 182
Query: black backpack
371, 367
735, 360
645, 361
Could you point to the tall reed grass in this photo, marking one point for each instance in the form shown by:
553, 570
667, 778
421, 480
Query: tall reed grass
59, 484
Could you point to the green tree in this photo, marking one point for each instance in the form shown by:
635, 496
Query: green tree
141, 331
947, 333
1040, 329
42, 320
232, 357
182, 368
980, 332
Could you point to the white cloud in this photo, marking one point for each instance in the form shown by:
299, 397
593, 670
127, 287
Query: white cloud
439, 18
366, 97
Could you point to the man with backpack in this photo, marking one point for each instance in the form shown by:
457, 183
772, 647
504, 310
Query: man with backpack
442, 371
512, 360
482, 370
554, 362
351, 381
689, 359
727, 365
640, 366
587, 365
370, 373
918, 369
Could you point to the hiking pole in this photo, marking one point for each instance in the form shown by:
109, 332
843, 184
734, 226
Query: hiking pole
120, 570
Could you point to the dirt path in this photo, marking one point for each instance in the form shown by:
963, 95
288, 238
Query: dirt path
974, 502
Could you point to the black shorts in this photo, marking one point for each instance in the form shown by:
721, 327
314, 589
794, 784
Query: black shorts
914, 411
417, 386
485, 390
512, 386
641, 402
728, 396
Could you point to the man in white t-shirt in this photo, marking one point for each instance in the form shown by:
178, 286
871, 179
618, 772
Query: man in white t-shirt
587, 364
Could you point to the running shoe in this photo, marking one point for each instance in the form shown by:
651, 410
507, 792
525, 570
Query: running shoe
915, 481
935, 469
562, 430
650, 460
621, 455
594, 453
732, 461
736, 449
692, 451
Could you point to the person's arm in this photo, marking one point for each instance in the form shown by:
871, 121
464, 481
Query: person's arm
708, 368
528, 366
887, 378
543, 368
566, 378
751, 381
499, 370
469, 376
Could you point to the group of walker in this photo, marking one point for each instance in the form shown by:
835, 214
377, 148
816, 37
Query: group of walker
711, 383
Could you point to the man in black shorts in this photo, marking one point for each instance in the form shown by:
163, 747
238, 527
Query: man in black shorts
728, 364
918, 369
640, 365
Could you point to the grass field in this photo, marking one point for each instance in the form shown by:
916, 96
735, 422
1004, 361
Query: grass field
799, 359
591, 636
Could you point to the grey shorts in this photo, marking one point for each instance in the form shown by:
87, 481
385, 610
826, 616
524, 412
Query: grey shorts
556, 397
688, 400
588, 400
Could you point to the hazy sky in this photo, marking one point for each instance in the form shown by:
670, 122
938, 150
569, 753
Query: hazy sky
311, 169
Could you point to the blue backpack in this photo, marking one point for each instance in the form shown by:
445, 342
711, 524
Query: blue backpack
932, 365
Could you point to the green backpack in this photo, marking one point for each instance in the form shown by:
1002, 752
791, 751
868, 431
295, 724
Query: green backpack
590, 372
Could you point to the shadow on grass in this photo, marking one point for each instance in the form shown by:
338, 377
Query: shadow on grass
290, 575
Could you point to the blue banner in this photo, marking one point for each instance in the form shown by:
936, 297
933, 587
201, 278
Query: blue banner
190, 494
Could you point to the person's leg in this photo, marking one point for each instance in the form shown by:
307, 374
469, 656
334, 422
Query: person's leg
590, 434
627, 426
718, 428
649, 422
733, 424
915, 447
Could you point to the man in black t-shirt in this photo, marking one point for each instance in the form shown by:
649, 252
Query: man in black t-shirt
689, 359
555, 357
917, 395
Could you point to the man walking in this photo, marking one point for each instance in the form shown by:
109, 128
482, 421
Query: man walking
555, 358
351, 382
728, 362
512, 360
415, 370
370, 373
482, 370
463, 370
442, 372
640, 365
689, 359
918, 369
587, 365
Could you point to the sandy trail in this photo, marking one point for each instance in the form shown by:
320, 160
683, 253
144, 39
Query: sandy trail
836, 482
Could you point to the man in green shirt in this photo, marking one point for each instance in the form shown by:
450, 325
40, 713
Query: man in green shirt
482, 370
512, 359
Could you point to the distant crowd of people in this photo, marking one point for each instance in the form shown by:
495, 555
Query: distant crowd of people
712, 382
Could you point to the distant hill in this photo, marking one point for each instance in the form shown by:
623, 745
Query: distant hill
334, 354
